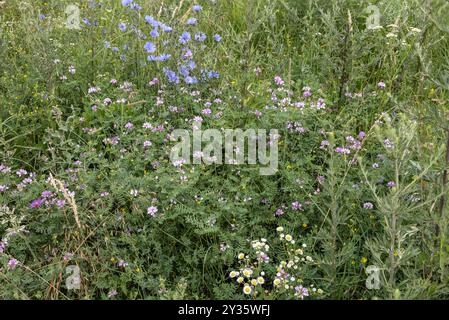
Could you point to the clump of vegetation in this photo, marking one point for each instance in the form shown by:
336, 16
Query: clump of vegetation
91, 207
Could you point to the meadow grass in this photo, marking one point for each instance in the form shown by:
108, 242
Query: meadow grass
88, 194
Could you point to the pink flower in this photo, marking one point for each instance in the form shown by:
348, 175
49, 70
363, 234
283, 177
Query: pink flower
342, 150
391, 184
60, 203
301, 291
152, 211
279, 212
368, 205
153, 82
112, 293
296, 205
278, 80
122, 263
12, 263
68, 256
206, 111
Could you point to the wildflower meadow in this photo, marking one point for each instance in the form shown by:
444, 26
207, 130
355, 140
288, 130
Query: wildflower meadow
224, 149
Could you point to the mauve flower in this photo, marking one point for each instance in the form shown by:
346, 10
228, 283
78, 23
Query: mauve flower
368, 205
21, 172
381, 85
324, 144
46, 194
12, 263
153, 82
391, 184
296, 205
152, 211
342, 150
279, 212
60, 203
122, 263
3, 245
388, 144
301, 291
68, 256
4, 169
278, 80
306, 91
36, 203
112, 293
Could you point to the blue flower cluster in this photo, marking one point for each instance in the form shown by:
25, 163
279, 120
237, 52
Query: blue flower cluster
183, 49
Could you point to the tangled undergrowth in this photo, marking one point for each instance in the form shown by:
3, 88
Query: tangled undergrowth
91, 207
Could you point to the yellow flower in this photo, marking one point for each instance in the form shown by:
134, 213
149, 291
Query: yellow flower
247, 289
240, 279
254, 282
363, 260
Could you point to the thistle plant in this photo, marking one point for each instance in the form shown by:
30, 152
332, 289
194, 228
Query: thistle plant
399, 198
